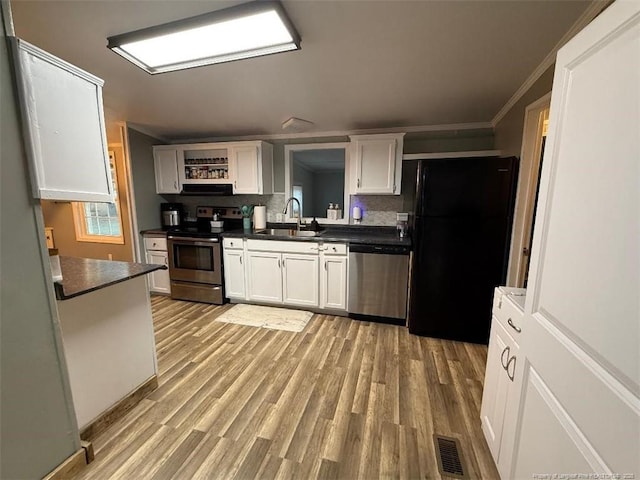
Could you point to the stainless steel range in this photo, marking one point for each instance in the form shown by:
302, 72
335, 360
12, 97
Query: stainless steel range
195, 256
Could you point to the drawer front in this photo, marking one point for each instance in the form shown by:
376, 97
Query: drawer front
155, 243
509, 316
282, 247
232, 243
334, 248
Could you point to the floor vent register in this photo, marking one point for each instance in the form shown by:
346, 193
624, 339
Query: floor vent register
450, 460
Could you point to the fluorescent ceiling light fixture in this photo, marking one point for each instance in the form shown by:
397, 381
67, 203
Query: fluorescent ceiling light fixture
244, 31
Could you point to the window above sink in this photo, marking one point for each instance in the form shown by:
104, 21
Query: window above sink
317, 175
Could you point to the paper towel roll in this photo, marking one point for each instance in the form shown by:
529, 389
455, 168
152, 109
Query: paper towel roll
259, 217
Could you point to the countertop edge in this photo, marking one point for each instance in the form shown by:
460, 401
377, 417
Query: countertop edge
59, 286
358, 238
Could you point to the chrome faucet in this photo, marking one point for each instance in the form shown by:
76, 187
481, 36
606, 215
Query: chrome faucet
299, 209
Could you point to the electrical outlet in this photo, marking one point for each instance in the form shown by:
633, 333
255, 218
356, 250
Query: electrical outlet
110, 256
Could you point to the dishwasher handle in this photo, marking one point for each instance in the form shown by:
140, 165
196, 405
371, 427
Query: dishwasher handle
379, 249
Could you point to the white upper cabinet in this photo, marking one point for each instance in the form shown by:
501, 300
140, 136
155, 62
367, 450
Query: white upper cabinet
165, 162
251, 168
378, 163
64, 127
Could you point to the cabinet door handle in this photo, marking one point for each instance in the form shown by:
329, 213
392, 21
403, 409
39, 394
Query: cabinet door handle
502, 360
235, 184
325, 264
278, 263
240, 260
358, 183
515, 327
166, 261
511, 375
175, 185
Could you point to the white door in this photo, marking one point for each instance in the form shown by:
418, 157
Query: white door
580, 407
159, 280
300, 279
245, 169
166, 169
376, 166
333, 274
234, 273
265, 277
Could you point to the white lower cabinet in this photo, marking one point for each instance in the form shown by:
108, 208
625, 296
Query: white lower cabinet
300, 279
303, 274
234, 278
502, 383
155, 253
333, 278
265, 276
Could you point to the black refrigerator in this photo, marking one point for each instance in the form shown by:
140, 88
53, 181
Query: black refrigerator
461, 235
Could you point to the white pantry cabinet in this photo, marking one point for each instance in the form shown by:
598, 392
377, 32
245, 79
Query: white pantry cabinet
378, 163
155, 252
64, 127
579, 409
234, 268
165, 162
251, 168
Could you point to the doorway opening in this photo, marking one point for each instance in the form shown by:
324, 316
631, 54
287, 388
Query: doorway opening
533, 142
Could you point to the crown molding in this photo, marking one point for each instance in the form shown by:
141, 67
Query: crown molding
147, 132
594, 9
340, 133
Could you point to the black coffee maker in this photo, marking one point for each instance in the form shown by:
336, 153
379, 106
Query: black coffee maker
172, 215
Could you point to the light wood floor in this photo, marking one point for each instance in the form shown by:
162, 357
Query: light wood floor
342, 399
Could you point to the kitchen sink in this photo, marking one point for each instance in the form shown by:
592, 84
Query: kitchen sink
289, 232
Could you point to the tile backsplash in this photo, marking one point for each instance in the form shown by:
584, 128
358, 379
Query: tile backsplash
274, 203
376, 209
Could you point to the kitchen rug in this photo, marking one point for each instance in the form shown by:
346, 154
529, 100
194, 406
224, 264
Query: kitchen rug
266, 317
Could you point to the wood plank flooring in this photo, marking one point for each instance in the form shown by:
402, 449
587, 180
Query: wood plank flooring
343, 399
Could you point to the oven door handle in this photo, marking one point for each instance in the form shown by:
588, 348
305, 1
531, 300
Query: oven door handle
198, 242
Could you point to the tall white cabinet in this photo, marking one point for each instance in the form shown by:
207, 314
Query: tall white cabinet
579, 405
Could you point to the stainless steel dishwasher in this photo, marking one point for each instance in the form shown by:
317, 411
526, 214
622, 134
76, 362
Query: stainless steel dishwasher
378, 280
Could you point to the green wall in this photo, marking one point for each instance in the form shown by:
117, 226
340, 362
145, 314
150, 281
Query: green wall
38, 427
509, 129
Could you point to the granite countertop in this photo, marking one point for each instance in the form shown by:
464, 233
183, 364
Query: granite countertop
84, 275
351, 235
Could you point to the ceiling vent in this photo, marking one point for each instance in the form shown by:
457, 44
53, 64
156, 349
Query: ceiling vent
296, 125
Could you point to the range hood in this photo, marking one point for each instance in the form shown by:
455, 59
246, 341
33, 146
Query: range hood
213, 189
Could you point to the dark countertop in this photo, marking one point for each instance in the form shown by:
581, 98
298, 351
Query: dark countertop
159, 232
351, 235
84, 275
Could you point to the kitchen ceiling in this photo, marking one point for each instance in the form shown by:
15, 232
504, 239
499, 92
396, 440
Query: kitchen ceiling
363, 64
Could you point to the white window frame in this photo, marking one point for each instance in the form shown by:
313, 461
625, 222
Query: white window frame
80, 219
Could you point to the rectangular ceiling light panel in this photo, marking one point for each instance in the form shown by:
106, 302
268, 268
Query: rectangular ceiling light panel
248, 30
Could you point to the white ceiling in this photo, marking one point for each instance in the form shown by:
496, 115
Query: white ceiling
363, 64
